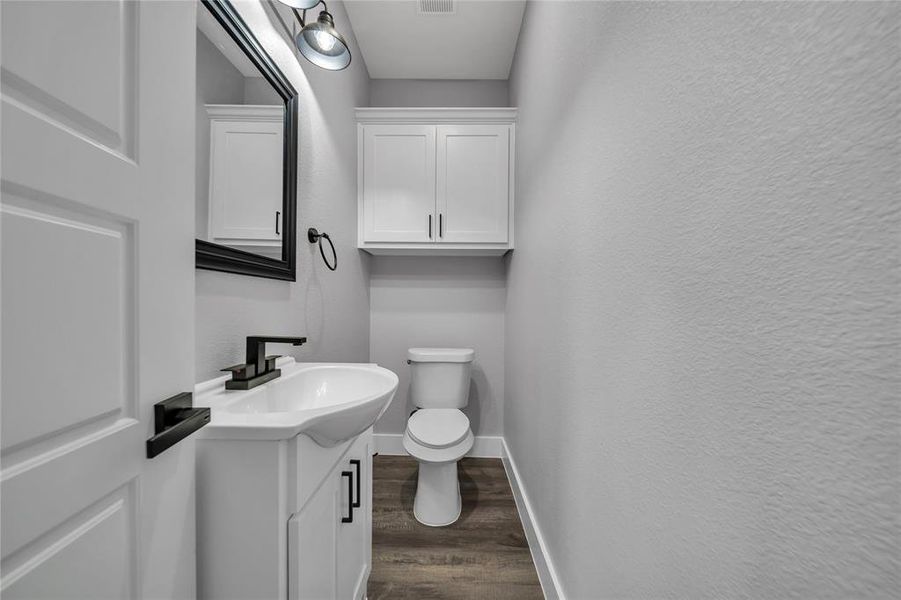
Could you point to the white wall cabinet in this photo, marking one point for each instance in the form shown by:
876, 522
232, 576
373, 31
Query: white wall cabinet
436, 181
245, 189
284, 519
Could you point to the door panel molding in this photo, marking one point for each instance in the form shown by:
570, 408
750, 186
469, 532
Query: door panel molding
117, 510
44, 491
102, 112
70, 289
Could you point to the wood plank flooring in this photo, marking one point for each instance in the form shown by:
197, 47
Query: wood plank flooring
483, 555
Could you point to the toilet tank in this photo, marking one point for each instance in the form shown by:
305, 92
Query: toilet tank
439, 377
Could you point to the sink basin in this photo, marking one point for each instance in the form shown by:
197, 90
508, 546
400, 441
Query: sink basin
330, 402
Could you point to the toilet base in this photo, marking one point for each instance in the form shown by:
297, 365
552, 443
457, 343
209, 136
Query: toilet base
437, 502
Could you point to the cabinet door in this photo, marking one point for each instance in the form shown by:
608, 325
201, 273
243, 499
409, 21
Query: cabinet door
473, 174
313, 543
330, 538
245, 180
355, 538
398, 183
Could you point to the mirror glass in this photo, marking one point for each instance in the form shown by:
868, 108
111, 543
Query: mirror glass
240, 146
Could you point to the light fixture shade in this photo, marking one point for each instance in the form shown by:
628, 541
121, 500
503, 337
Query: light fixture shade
300, 4
321, 44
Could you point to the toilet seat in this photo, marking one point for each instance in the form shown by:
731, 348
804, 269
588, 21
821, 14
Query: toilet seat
424, 454
438, 435
438, 427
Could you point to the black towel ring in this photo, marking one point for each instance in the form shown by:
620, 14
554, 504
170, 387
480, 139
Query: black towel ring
315, 237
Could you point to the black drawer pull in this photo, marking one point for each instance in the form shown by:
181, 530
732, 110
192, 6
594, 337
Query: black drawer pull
350, 497
356, 463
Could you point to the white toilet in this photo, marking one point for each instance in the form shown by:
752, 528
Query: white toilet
438, 434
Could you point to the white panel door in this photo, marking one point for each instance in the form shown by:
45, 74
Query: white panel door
473, 183
97, 297
246, 180
399, 183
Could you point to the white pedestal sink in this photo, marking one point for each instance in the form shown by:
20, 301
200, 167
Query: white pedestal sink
329, 402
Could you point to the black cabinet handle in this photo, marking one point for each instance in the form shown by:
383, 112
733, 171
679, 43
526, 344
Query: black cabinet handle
175, 419
430, 226
440, 225
350, 497
278, 216
356, 463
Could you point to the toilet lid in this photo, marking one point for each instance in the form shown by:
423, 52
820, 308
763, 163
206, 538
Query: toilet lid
438, 427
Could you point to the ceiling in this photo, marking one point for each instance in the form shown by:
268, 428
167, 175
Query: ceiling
476, 40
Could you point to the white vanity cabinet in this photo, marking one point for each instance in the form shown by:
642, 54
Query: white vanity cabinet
284, 519
245, 175
435, 181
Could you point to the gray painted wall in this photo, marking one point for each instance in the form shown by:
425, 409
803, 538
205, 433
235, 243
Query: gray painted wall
438, 92
443, 302
332, 309
703, 319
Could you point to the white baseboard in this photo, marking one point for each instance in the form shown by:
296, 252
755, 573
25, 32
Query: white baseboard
485, 446
547, 574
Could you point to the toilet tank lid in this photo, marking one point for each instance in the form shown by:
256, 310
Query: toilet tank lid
452, 355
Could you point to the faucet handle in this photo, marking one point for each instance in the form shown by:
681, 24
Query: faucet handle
242, 371
270, 361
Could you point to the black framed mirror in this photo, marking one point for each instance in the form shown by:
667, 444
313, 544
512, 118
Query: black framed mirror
246, 188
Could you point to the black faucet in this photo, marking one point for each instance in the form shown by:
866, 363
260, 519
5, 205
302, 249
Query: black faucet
259, 368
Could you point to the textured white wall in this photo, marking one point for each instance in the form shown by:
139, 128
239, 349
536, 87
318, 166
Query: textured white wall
703, 321
438, 92
441, 301
332, 309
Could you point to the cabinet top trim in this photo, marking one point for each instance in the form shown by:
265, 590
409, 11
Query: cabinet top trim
437, 115
245, 111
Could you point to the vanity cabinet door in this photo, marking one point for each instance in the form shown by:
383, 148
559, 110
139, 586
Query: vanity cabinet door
313, 544
330, 538
398, 183
473, 186
355, 538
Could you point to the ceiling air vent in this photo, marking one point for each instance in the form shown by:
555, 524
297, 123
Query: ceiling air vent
437, 7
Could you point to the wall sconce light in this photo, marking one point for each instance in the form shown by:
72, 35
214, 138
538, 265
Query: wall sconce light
319, 42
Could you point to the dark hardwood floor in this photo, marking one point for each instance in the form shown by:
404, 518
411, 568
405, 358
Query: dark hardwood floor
483, 555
